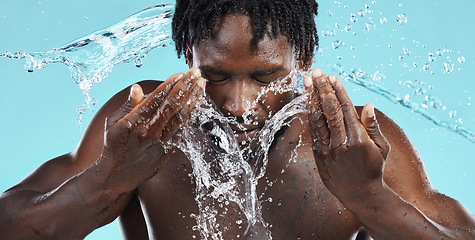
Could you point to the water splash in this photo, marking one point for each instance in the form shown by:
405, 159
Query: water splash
401, 18
226, 174
404, 62
359, 77
91, 58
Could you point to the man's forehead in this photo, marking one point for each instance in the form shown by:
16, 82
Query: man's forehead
237, 30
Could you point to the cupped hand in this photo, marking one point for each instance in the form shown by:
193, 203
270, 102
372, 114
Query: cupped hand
349, 150
135, 135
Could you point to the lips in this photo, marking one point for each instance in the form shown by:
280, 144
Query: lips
246, 135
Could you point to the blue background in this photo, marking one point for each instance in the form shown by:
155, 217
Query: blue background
38, 114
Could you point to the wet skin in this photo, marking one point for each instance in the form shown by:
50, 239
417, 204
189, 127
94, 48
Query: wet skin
350, 171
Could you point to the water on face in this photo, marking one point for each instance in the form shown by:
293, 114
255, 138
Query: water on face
226, 172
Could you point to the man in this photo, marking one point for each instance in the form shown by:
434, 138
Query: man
352, 171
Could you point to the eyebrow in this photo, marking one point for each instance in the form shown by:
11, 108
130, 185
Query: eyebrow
267, 71
255, 72
214, 70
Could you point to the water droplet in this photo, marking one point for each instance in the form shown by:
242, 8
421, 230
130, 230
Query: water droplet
138, 62
353, 18
370, 26
383, 20
461, 60
269, 199
426, 67
348, 27
452, 114
439, 52
329, 13
401, 18
361, 13
327, 32
377, 76
448, 67
431, 57
336, 44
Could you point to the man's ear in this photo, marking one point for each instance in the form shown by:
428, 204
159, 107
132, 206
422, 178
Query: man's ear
302, 65
189, 56
306, 67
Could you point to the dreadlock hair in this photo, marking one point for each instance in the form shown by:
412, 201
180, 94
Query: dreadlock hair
195, 19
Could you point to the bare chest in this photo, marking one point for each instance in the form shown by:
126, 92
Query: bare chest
292, 203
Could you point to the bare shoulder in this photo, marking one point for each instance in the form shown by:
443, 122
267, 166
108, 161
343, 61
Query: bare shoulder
404, 173
92, 140
404, 170
54, 172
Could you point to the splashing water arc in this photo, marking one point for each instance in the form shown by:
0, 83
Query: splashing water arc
91, 58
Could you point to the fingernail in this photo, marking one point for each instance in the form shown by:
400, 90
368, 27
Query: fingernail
195, 73
307, 82
133, 91
201, 83
316, 73
371, 112
332, 79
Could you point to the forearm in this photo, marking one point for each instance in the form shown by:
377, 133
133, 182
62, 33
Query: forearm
387, 216
70, 211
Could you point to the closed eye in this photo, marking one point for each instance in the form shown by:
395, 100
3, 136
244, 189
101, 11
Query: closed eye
267, 76
214, 75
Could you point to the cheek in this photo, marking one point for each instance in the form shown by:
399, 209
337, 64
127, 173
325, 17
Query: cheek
274, 101
216, 94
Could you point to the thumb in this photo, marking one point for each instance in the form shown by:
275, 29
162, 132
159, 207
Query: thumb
135, 97
368, 118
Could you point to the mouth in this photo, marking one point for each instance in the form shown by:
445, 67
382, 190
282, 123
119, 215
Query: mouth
245, 135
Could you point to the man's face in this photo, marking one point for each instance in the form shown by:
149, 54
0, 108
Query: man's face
239, 77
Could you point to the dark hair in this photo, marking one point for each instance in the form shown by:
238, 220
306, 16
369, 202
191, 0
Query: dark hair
195, 19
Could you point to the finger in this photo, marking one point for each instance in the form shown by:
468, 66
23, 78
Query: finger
135, 97
174, 101
145, 107
331, 109
318, 123
351, 119
368, 118
184, 113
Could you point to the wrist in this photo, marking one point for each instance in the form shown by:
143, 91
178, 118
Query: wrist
103, 173
370, 197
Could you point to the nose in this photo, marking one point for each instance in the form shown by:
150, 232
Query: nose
241, 98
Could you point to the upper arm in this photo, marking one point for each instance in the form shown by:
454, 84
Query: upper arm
404, 173
132, 221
